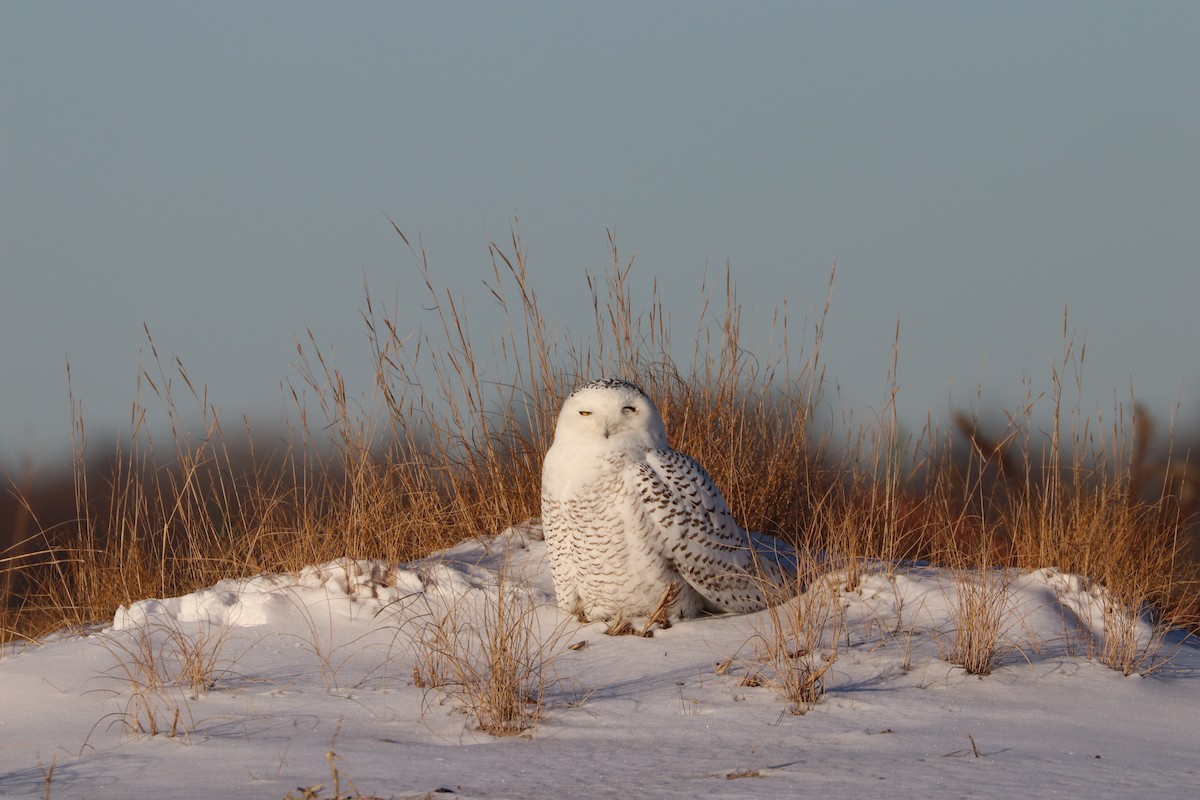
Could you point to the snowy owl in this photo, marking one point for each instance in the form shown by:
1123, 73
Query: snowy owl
625, 517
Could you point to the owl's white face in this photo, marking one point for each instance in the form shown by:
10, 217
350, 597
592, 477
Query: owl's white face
610, 413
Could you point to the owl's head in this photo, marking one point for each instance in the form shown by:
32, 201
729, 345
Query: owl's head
612, 412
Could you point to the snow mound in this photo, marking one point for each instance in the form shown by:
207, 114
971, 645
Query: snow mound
1041, 611
356, 589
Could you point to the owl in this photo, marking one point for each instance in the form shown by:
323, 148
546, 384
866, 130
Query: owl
625, 517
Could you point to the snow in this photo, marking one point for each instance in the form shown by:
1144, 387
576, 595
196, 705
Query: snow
300, 666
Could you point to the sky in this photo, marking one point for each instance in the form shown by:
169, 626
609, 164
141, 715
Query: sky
222, 174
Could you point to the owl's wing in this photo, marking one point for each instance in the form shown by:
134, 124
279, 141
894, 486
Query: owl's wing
697, 534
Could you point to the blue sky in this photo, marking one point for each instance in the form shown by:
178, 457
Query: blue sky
221, 172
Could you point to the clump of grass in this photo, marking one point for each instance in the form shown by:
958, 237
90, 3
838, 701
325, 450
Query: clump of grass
154, 661
1115, 626
980, 615
799, 644
491, 656
158, 655
1131, 645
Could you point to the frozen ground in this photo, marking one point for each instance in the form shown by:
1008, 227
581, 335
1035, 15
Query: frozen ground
295, 667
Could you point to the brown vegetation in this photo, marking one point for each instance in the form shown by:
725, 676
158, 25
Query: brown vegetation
443, 446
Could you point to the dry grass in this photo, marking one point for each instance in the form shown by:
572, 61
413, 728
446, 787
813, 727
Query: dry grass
660, 616
1130, 645
159, 655
981, 615
491, 657
447, 442
795, 651
161, 665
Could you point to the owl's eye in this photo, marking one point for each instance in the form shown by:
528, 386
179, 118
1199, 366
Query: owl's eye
585, 413
629, 410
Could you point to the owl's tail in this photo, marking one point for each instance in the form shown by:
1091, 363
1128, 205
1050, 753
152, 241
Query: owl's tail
780, 565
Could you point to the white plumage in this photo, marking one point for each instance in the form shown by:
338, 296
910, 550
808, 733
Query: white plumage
625, 517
